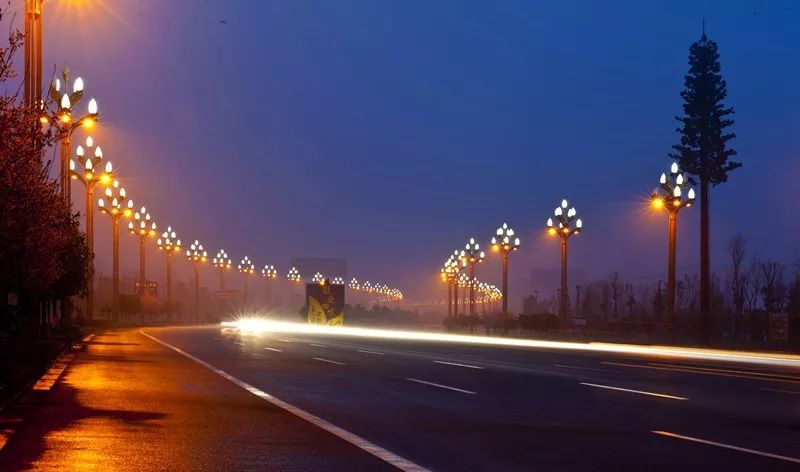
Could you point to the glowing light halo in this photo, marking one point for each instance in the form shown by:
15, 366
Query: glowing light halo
257, 325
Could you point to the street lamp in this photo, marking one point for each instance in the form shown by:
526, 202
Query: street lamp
64, 123
116, 205
197, 255
448, 273
90, 173
472, 255
142, 227
269, 272
222, 262
353, 285
504, 242
247, 268
669, 196
169, 243
565, 226
293, 275
337, 281
462, 282
318, 278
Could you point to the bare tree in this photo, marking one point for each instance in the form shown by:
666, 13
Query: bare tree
616, 291
773, 287
737, 275
752, 285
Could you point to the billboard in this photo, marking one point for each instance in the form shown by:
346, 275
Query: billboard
325, 303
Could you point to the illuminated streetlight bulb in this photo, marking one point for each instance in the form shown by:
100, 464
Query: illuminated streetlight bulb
92, 108
674, 168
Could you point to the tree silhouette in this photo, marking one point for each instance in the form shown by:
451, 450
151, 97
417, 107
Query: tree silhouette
703, 151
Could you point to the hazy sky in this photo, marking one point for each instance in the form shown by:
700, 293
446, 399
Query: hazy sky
388, 132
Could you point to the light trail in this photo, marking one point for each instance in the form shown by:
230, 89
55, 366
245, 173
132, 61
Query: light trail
257, 325
322, 359
640, 392
446, 387
459, 365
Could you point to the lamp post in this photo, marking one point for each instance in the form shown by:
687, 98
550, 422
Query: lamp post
222, 262
64, 123
247, 268
565, 226
472, 255
449, 273
504, 242
318, 277
669, 196
142, 227
116, 205
90, 172
33, 52
293, 275
169, 243
463, 282
197, 255
269, 273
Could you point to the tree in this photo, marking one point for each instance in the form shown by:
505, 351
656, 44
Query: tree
737, 276
659, 303
773, 288
703, 151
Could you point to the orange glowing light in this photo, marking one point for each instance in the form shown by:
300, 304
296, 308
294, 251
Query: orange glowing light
43, 120
88, 123
65, 118
658, 203
105, 179
551, 231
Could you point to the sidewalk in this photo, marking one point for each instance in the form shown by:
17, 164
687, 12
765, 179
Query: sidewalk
127, 403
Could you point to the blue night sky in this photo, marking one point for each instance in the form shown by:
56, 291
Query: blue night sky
387, 133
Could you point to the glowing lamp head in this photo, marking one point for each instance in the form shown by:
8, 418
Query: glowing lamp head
674, 168
92, 108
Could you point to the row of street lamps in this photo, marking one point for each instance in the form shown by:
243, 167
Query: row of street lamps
89, 167
672, 195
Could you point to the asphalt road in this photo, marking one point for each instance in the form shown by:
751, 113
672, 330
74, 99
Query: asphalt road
448, 406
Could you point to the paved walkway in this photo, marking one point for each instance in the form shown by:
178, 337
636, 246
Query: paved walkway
128, 403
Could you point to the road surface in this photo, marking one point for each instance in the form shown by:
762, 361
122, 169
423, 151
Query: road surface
450, 406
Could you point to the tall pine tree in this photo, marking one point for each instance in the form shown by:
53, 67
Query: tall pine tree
703, 151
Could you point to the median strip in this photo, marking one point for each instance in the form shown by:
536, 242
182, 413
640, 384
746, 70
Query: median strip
456, 364
322, 359
469, 392
728, 446
640, 392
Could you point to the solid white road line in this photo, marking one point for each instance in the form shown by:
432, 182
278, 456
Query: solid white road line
641, 392
459, 365
728, 446
364, 351
272, 349
442, 386
283, 340
318, 345
377, 451
328, 361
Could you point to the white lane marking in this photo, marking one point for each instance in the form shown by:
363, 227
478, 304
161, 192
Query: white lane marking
273, 349
442, 386
377, 451
728, 446
364, 351
283, 340
322, 359
459, 365
791, 392
579, 368
641, 392
318, 345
